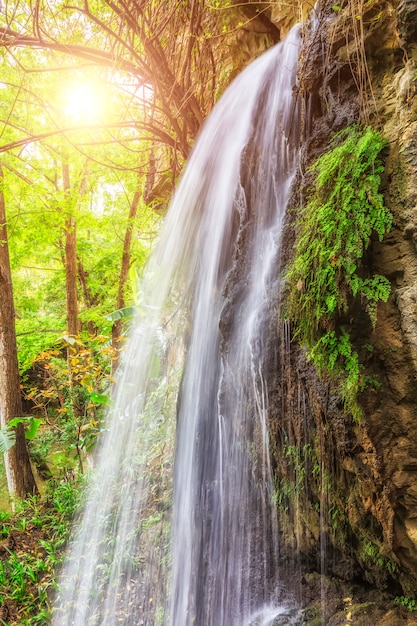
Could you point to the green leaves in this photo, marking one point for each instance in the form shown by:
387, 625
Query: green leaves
8, 435
32, 424
100, 398
28, 571
7, 438
127, 312
344, 211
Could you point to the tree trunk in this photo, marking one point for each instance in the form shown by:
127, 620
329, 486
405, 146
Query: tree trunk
117, 328
70, 260
20, 479
90, 298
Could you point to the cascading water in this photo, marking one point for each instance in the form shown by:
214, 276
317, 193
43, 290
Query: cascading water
215, 268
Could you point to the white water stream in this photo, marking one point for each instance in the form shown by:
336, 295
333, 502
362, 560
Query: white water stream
206, 294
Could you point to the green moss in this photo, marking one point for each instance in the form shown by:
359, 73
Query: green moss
344, 211
406, 602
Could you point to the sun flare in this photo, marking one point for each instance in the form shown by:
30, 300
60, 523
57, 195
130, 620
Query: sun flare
85, 103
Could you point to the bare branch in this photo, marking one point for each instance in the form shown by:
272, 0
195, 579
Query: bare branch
40, 330
10, 39
163, 137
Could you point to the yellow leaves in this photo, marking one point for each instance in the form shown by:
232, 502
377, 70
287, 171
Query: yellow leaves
48, 393
31, 394
348, 602
73, 382
91, 424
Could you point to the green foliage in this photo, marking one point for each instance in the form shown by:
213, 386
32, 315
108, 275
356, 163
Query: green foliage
127, 312
343, 212
33, 545
7, 438
32, 424
406, 603
70, 388
31, 338
371, 556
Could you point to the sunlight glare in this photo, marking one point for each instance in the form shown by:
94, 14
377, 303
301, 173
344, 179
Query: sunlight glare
85, 103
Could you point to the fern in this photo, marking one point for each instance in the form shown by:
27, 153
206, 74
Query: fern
344, 211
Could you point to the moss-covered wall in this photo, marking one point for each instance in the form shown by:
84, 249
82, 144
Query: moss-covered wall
355, 482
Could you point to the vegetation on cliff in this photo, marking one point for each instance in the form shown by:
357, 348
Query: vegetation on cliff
344, 211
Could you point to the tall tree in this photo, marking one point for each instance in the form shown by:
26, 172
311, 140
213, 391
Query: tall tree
70, 256
20, 479
125, 263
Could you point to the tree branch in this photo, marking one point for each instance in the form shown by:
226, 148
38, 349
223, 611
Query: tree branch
40, 330
10, 38
161, 135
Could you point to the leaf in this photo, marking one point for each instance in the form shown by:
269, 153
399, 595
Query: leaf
7, 438
100, 398
336, 7
32, 422
126, 313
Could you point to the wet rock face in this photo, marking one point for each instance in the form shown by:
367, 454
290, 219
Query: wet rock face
370, 531
407, 22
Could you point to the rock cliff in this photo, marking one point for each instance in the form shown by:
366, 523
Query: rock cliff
354, 515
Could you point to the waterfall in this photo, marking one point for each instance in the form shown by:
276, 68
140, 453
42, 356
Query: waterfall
209, 293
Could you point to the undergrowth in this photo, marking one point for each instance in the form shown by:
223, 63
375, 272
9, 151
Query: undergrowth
344, 211
32, 543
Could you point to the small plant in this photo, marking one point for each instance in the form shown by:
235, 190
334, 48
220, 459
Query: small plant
406, 603
372, 557
344, 211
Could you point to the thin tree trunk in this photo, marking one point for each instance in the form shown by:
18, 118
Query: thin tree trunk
90, 298
71, 267
117, 328
70, 260
20, 478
